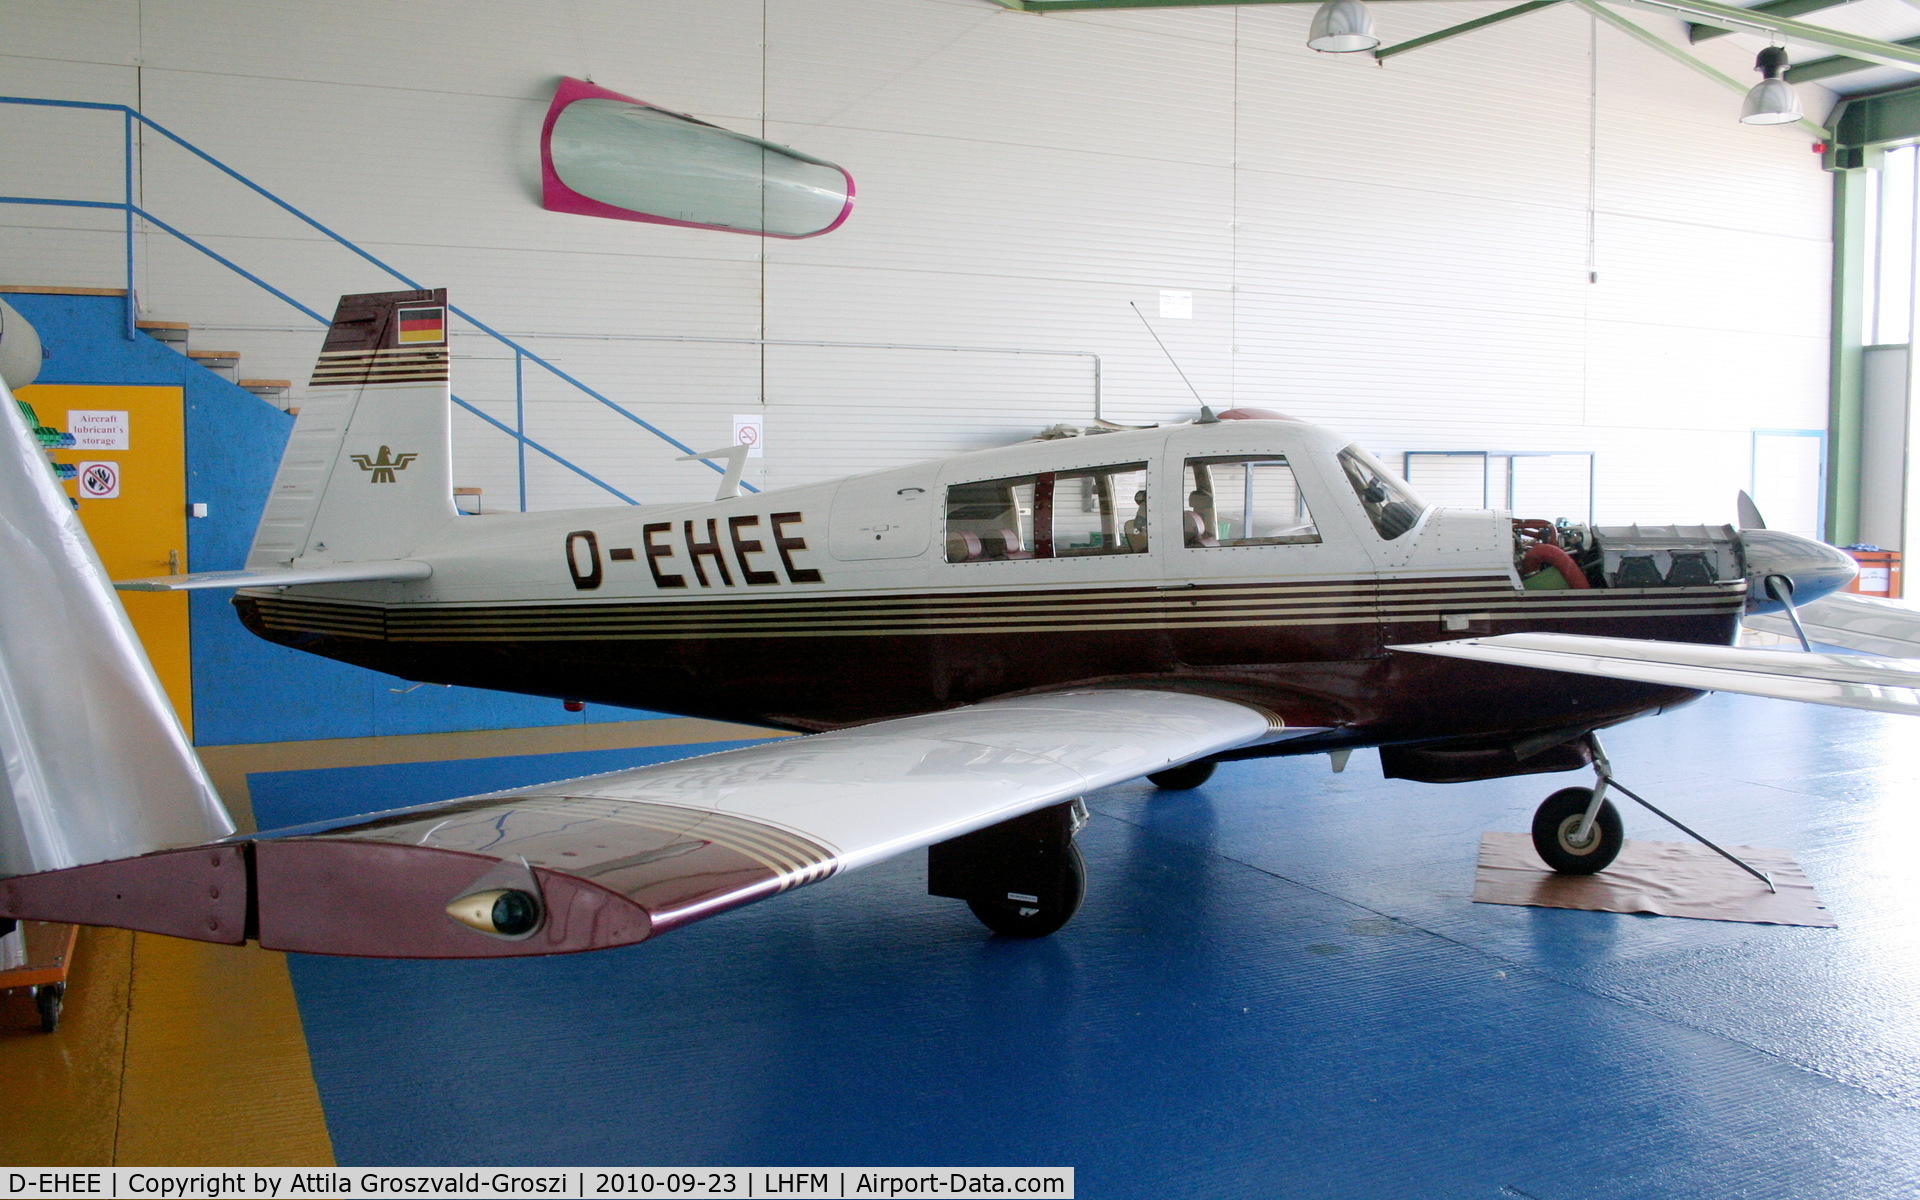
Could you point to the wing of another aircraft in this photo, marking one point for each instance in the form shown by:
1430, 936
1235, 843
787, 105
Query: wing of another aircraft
1857, 622
1879, 684
613, 859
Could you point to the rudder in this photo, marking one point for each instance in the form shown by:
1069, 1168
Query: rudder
368, 470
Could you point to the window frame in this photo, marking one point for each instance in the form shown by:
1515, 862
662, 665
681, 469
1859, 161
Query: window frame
1045, 489
1283, 458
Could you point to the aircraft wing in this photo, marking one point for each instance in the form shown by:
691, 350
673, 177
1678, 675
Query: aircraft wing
1857, 622
347, 572
1879, 684
617, 858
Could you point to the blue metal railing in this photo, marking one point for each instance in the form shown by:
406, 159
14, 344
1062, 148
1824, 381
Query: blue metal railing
521, 354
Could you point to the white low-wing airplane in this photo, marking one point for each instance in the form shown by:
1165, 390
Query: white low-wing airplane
972, 644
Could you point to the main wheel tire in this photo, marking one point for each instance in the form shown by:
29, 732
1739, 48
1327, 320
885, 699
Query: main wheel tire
48, 999
1011, 918
1556, 821
1182, 778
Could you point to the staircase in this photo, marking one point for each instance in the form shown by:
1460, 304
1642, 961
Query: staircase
225, 363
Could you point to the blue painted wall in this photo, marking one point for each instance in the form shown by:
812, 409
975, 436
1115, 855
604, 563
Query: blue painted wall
246, 689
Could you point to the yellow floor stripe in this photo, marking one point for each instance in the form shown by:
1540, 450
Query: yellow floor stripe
169, 1053
217, 1069
61, 1091
229, 765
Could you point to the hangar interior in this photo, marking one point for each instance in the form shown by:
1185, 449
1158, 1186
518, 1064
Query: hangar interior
1536, 265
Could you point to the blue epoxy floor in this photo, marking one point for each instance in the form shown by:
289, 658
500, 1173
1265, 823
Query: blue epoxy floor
1278, 987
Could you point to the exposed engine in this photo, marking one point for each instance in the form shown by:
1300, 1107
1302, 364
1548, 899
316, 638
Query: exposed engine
1551, 555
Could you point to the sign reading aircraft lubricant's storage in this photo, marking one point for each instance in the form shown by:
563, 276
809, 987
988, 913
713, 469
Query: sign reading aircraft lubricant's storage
98, 429
607, 155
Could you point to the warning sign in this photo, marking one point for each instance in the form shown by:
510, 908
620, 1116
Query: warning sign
99, 480
749, 431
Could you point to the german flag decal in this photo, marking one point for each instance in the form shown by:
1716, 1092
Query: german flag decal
419, 325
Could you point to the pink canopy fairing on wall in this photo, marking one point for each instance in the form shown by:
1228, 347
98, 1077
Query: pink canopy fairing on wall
607, 155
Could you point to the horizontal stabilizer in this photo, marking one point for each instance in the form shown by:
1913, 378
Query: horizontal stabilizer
352, 572
1863, 623
1879, 684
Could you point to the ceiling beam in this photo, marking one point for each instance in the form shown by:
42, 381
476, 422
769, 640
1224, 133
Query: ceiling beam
1681, 56
1505, 14
1840, 64
1781, 8
1785, 28
1047, 6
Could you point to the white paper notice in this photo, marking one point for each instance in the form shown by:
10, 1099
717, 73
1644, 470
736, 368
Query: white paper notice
99, 480
749, 430
97, 429
1176, 306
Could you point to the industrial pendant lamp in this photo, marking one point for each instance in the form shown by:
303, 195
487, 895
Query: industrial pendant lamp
1342, 27
1771, 102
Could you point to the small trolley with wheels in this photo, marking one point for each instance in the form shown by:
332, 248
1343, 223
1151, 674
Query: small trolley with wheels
34, 957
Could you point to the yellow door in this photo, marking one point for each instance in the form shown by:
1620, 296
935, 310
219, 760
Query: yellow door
131, 482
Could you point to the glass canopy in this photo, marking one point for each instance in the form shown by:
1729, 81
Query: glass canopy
607, 155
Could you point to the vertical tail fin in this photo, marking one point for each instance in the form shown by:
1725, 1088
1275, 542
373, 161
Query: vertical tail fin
368, 471
93, 762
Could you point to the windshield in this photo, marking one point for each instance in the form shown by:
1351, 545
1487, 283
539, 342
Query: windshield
1390, 503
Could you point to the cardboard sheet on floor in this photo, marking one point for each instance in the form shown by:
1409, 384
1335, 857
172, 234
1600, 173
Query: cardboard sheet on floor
1670, 879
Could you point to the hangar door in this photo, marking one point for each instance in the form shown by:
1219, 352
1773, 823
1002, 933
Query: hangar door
1790, 479
130, 480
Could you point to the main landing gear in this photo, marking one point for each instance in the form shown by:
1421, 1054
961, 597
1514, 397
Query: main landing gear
1182, 778
1577, 831
1023, 878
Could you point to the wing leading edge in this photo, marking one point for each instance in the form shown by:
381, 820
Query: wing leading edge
618, 858
1878, 684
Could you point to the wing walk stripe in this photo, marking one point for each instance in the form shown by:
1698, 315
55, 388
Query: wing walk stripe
796, 860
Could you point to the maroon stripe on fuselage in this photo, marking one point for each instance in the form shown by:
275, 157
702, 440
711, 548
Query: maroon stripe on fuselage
1313, 652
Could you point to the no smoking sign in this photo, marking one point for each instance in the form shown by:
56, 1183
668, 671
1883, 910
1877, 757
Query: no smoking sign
99, 480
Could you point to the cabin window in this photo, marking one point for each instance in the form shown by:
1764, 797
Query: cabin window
1245, 500
1390, 503
1058, 514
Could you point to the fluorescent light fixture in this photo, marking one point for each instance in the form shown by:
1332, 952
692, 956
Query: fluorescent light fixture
1342, 27
1771, 102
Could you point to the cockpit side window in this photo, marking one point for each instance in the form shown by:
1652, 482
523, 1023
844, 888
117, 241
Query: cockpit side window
1391, 505
1058, 514
1245, 500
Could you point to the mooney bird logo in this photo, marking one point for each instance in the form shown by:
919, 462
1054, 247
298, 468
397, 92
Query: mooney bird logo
384, 464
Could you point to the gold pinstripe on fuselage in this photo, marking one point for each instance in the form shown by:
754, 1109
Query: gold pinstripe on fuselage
972, 611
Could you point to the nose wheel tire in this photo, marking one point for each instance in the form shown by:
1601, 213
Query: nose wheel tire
1182, 778
1030, 916
1556, 822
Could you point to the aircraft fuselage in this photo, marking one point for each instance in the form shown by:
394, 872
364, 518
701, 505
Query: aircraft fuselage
1008, 571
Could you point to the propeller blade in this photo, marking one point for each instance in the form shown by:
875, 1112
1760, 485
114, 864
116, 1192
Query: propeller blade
1750, 517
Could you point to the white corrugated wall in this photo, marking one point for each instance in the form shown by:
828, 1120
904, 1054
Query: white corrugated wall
1401, 251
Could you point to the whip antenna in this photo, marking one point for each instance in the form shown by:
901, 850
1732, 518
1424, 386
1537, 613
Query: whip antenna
1167, 352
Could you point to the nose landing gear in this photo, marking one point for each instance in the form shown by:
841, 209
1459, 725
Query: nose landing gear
1577, 831
1558, 839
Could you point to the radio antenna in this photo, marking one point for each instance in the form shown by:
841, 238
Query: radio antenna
1167, 352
